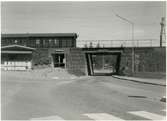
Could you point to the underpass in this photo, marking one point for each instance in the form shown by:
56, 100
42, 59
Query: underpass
103, 62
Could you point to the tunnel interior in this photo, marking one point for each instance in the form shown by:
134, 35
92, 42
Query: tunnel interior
100, 64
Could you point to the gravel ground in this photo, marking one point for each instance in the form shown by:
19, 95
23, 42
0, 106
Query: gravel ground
41, 74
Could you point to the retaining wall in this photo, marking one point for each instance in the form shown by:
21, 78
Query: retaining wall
76, 62
147, 59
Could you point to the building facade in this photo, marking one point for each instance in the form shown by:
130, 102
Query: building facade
26, 51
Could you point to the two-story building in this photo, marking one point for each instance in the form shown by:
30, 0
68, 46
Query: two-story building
25, 51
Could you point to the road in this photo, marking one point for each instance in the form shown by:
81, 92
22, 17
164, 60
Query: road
90, 98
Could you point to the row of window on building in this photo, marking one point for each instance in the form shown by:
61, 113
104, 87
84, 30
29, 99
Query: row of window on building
40, 42
55, 41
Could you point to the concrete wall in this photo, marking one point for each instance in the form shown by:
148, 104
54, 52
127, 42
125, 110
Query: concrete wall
76, 62
75, 59
147, 59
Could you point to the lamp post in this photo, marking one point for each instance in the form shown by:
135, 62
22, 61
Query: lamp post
133, 53
162, 32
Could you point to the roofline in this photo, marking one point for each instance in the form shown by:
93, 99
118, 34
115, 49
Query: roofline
8, 46
10, 35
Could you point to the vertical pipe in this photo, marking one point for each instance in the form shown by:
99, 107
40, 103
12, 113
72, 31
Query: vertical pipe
91, 60
133, 53
118, 56
90, 64
103, 61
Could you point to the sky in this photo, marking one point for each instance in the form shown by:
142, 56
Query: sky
90, 20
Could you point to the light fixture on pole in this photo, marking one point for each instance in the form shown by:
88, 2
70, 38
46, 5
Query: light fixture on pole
133, 53
162, 32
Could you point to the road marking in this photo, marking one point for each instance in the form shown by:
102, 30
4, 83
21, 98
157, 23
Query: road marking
148, 115
102, 116
48, 118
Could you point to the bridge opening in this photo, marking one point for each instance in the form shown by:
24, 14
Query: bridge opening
103, 63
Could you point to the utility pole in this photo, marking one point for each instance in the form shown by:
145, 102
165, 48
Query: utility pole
162, 33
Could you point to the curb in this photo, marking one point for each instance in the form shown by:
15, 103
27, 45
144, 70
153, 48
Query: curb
133, 80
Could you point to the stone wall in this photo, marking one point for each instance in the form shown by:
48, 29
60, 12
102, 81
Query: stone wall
76, 62
40, 57
147, 59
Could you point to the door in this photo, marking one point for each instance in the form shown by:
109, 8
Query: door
59, 60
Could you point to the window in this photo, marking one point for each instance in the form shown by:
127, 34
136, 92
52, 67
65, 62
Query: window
69, 43
50, 41
55, 41
44, 43
15, 41
64, 43
38, 41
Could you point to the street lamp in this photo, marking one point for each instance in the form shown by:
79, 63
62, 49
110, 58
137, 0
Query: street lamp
133, 54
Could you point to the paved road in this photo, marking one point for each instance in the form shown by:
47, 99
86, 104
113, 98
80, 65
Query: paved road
92, 98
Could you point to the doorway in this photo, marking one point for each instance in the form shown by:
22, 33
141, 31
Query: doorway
59, 60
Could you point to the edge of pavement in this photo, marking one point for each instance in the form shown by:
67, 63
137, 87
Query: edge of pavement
133, 79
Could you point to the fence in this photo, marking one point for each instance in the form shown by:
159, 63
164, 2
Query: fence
15, 65
119, 43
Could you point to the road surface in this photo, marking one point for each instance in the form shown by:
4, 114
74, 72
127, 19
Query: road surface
91, 98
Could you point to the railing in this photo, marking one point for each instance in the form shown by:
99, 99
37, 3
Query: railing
15, 65
119, 43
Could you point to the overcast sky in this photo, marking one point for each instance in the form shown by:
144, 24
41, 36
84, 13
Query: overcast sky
91, 20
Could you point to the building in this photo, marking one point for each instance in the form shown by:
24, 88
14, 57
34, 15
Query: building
30, 51
26, 51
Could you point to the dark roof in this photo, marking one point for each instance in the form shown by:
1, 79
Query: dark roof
41, 35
